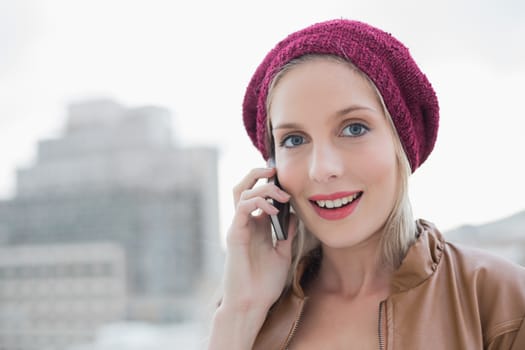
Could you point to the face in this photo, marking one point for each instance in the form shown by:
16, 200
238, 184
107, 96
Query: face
334, 152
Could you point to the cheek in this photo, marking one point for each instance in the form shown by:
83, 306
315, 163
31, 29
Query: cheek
385, 163
285, 174
382, 172
293, 179
288, 174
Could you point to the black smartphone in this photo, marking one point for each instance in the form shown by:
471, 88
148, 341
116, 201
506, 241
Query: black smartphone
279, 221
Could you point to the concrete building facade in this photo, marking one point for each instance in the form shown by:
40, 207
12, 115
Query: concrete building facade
116, 176
52, 295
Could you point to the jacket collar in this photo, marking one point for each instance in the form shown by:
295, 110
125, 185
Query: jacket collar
422, 258
419, 264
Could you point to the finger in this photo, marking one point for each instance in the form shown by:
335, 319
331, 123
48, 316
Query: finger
245, 209
266, 191
246, 227
250, 180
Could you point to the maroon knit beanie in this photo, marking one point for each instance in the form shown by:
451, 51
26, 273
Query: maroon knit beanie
408, 95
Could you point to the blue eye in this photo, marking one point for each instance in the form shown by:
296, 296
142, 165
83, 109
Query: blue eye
355, 129
292, 141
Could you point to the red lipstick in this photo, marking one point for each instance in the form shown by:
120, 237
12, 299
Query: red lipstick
335, 213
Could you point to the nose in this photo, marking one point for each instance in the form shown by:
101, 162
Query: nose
326, 163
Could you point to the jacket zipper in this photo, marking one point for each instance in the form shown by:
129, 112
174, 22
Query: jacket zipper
294, 328
380, 327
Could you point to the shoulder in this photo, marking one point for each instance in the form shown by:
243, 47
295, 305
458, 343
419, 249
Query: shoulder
487, 270
470, 263
496, 286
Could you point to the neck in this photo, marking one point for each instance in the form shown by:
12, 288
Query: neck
354, 271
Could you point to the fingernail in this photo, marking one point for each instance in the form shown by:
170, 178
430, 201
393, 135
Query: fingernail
284, 194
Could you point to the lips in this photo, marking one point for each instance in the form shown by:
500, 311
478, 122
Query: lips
336, 206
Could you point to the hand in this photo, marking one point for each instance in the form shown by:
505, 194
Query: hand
256, 270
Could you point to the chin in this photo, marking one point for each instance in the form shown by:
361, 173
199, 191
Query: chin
347, 237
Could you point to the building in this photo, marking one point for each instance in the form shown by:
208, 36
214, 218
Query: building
115, 176
58, 294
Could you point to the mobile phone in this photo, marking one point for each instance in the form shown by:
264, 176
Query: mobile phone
281, 219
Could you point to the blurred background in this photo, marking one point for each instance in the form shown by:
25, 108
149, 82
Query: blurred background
121, 138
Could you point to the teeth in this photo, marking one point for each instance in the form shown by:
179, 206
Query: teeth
336, 203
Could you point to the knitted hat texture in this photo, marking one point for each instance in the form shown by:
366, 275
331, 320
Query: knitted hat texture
406, 91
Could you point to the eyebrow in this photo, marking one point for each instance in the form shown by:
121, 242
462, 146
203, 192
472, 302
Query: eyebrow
351, 109
337, 114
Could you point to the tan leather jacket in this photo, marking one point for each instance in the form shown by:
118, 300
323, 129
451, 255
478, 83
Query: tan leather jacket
444, 297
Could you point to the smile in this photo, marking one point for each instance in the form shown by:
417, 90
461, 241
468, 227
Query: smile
338, 203
336, 206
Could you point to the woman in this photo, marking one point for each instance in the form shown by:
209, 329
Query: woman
346, 115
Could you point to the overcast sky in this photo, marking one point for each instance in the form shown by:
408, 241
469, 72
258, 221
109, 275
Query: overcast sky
196, 59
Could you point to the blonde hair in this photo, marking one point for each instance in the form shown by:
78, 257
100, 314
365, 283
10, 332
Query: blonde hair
399, 229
